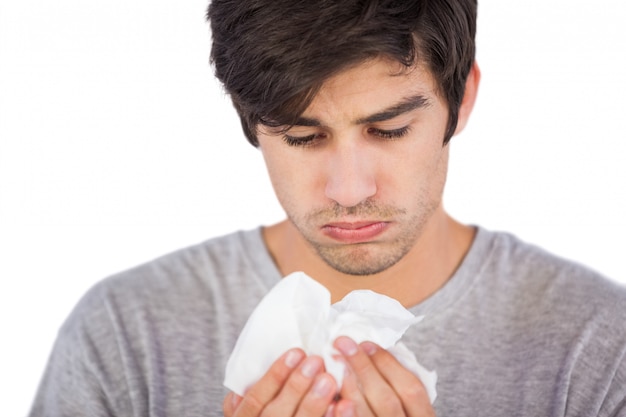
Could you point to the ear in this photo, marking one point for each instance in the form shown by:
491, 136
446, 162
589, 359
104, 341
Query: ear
469, 98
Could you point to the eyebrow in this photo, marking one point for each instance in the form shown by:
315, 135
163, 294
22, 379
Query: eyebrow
404, 106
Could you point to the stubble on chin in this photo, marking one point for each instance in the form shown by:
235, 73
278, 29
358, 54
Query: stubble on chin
366, 258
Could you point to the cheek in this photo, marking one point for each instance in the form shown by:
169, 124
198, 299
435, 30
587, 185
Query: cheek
277, 171
291, 179
437, 175
415, 167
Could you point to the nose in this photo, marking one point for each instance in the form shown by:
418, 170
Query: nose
350, 175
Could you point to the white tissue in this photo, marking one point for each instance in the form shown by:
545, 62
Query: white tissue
297, 313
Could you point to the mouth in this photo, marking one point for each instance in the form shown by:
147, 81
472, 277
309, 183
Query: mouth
354, 232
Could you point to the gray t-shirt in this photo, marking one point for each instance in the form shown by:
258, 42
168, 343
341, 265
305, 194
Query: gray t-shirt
515, 332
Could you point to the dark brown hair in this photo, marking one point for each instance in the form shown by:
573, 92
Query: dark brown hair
272, 56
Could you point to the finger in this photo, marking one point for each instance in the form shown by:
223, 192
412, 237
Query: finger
319, 398
295, 388
352, 399
345, 408
407, 385
231, 401
270, 384
380, 396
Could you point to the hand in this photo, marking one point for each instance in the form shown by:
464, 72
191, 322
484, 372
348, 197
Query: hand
376, 384
295, 385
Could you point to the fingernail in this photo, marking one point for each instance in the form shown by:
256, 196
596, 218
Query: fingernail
346, 346
369, 348
322, 386
293, 358
311, 367
331, 411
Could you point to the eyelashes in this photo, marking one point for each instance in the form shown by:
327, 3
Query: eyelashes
389, 134
302, 141
312, 140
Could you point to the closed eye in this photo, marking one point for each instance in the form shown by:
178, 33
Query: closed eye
389, 134
312, 140
302, 141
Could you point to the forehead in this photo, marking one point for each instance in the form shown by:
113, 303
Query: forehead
367, 87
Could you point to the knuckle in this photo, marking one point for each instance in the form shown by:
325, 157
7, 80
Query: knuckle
413, 392
384, 359
297, 383
362, 366
269, 411
391, 404
252, 403
276, 376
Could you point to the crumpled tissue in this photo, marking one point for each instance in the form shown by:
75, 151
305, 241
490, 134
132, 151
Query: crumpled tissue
297, 313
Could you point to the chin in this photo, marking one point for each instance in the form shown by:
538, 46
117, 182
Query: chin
360, 261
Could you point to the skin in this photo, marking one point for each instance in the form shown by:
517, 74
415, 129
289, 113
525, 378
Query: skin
368, 154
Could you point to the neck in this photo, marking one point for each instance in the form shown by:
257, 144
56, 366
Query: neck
426, 268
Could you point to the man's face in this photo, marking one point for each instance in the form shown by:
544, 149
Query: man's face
362, 173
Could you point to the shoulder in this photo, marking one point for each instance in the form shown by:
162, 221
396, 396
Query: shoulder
239, 256
532, 269
127, 326
547, 294
563, 311
220, 274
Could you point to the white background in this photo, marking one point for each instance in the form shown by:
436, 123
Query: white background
116, 146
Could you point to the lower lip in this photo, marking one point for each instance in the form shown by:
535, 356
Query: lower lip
362, 234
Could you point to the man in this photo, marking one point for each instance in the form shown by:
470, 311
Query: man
353, 105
